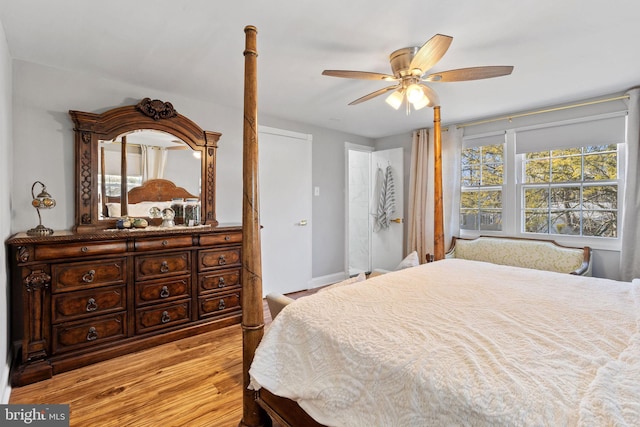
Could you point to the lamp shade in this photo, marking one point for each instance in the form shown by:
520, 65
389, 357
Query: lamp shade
415, 95
431, 96
395, 99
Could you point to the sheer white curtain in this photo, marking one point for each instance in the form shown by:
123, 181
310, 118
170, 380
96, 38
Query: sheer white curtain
630, 251
154, 160
451, 152
421, 188
420, 215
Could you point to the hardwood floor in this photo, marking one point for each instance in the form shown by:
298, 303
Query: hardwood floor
192, 382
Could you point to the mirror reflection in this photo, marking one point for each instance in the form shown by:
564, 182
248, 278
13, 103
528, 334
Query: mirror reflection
145, 159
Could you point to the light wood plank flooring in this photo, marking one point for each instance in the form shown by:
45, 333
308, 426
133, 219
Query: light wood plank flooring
192, 382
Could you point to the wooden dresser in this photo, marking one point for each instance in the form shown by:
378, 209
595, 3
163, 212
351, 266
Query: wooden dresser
79, 298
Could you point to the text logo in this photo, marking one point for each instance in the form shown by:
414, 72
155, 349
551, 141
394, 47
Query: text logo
34, 415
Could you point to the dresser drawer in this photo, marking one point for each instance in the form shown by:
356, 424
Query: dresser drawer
154, 291
219, 304
163, 243
82, 275
77, 335
219, 280
164, 316
80, 304
70, 250
157, 266
217, 258
221, 238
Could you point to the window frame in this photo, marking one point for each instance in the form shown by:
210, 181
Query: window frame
513, 195
479, 188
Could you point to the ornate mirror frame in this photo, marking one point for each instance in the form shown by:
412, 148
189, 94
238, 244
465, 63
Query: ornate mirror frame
90, 128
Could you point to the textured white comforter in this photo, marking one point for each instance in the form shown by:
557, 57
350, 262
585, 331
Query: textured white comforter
460, 342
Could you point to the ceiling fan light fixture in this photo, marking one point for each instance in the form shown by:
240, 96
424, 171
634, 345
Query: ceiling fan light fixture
421, 103
415, 93
395, 99
409, 66
430, 95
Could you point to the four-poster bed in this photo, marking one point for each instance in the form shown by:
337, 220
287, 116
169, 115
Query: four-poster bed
253, 317
525, 346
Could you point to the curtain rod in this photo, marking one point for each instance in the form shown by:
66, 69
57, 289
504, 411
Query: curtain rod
546, 110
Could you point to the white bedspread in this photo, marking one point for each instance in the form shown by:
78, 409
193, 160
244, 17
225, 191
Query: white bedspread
460, 342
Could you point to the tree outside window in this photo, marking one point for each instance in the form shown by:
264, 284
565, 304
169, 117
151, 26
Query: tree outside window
482, 177
571, 191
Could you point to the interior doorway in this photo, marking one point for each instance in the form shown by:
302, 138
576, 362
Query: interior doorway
367, 246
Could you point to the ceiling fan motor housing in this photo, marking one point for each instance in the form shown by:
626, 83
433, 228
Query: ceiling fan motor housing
400, 61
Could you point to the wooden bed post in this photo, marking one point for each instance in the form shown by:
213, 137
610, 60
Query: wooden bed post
252, 314
124, 189
438, 220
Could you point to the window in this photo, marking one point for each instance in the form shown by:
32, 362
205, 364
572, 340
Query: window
113, 187
560, 179
571, 191
481, 194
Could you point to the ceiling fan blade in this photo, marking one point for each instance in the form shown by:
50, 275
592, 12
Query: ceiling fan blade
374, 94
358, 75
430, 53
472, 73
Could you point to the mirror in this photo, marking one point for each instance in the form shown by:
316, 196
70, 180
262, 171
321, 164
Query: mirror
131, 155
148, 155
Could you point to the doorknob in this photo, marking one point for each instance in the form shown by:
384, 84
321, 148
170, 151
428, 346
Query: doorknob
302, 223
398, 220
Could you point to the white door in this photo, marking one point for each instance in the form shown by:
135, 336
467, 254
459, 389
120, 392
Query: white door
387, 244
285, 210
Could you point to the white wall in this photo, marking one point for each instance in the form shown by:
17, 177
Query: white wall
329, 207
5, 204
44, 145
44, 140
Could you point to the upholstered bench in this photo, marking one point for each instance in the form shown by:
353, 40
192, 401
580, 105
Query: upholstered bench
519, 252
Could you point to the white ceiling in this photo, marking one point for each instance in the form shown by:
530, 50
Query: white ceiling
562, 50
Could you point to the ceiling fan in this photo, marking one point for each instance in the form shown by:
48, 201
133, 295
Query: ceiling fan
409, 66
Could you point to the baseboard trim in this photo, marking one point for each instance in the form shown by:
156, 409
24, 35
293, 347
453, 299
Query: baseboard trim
316, 282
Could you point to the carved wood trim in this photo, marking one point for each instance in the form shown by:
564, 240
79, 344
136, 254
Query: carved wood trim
148, 114
37, 279
156, 109
23, 255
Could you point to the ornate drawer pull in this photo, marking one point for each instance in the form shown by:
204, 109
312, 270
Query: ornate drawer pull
222, 260
164, 292
92, 305
221, 305
165, 317
227, 237
84, 249
165, 242
164, 267
221, 282
89, 276
92, 335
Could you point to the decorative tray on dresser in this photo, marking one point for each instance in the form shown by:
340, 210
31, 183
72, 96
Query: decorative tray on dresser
78, 298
